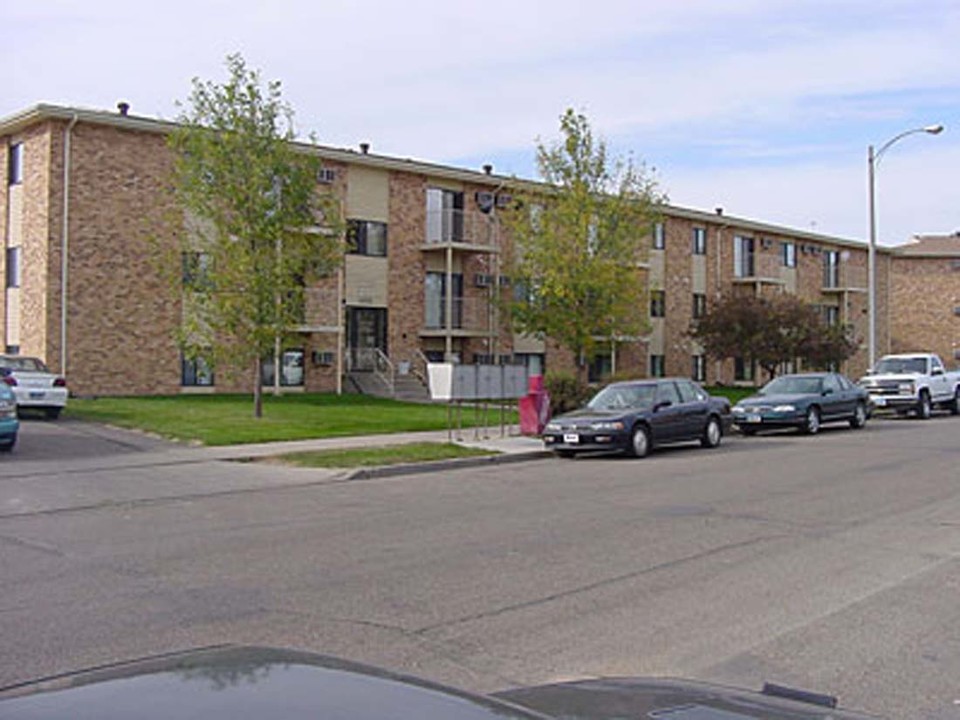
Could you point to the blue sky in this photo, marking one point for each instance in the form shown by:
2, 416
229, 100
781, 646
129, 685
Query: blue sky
763, 107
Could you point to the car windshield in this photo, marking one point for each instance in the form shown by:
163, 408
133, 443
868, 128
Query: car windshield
792, 386
624, 397
902, 365
23, 363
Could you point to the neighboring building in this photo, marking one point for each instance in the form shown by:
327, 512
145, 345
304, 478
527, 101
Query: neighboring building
925, 296
417, 285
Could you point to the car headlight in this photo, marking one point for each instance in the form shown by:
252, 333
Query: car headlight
552, 427
614, 425
784, 408
737, 410
906, 388
8, 409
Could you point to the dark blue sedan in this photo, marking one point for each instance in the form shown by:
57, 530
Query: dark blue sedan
805, 401
635, 416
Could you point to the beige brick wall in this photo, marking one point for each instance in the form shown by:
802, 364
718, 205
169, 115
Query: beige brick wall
925, 294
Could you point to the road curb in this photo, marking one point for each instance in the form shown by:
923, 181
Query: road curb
386, 471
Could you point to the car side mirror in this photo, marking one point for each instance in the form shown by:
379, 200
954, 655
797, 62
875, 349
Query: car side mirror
661, 405
827, 391
937, 371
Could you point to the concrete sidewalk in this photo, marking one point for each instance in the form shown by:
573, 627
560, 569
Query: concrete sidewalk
509, 444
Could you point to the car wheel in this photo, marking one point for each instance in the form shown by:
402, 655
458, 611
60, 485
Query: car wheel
859, 418
712, 433
52, 413
8, 445
924, 407
640, 442
954, 405
566, 453
811, 424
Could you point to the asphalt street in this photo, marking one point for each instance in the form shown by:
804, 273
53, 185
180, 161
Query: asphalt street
826, 562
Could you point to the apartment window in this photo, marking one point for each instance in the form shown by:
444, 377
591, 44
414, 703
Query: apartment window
13, 267
15, 164
195, 270
743, 249
366, 237
788, 254
831, 314
699, 241
600, 368
831, 269
291, 368
444, 216
743, 370
657, 366
658, 303
435, 305
195, 372
699, 372
699, 305
659, 236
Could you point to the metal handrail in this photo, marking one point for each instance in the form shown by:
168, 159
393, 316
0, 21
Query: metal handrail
384, 369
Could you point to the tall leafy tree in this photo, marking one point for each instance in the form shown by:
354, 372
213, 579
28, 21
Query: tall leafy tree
576, 251
772, 331
257, 230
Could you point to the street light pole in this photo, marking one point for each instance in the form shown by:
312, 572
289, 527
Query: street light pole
873, 158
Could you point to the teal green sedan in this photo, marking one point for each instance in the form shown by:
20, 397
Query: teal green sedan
9, 425
805, 401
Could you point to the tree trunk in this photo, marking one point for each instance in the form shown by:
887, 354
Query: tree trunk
257, 388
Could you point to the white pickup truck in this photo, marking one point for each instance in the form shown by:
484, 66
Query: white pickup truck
912, 382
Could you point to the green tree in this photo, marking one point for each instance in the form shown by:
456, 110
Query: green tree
257, 230
772, 331
576, 247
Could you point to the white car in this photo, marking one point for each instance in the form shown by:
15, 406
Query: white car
33, 384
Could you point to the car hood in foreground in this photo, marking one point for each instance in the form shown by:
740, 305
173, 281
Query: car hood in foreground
231, 682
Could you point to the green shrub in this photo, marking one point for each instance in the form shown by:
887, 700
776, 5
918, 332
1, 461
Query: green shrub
566, 393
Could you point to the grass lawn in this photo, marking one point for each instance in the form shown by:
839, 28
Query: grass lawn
371, 456
228, 419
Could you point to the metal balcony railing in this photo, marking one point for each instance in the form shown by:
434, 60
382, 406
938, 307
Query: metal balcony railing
460, 227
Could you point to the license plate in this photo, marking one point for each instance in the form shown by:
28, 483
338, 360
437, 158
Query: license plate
37, 394
879, 401
571, 438
754, 418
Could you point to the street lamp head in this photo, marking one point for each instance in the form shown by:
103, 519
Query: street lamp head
933, 129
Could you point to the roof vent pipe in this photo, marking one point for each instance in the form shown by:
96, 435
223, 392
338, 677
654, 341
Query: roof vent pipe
364, 148
488, 168
123, 107
719, 211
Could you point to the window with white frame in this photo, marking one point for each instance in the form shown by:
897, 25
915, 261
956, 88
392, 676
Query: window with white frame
699, 305
699, 241
658, 303
15, 164
831, 269
13, 267
366, 237
788, 254
657, 365
743, 251
699, 372
444, 216
659, 236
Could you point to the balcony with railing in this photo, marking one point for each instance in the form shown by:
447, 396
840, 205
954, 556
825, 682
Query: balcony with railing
462, 229
842, 277
469, 317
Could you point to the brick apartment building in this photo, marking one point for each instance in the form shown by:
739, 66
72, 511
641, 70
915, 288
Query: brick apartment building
82, 220
925, 296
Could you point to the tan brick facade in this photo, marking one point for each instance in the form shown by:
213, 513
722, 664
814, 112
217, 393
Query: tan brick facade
122, 311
